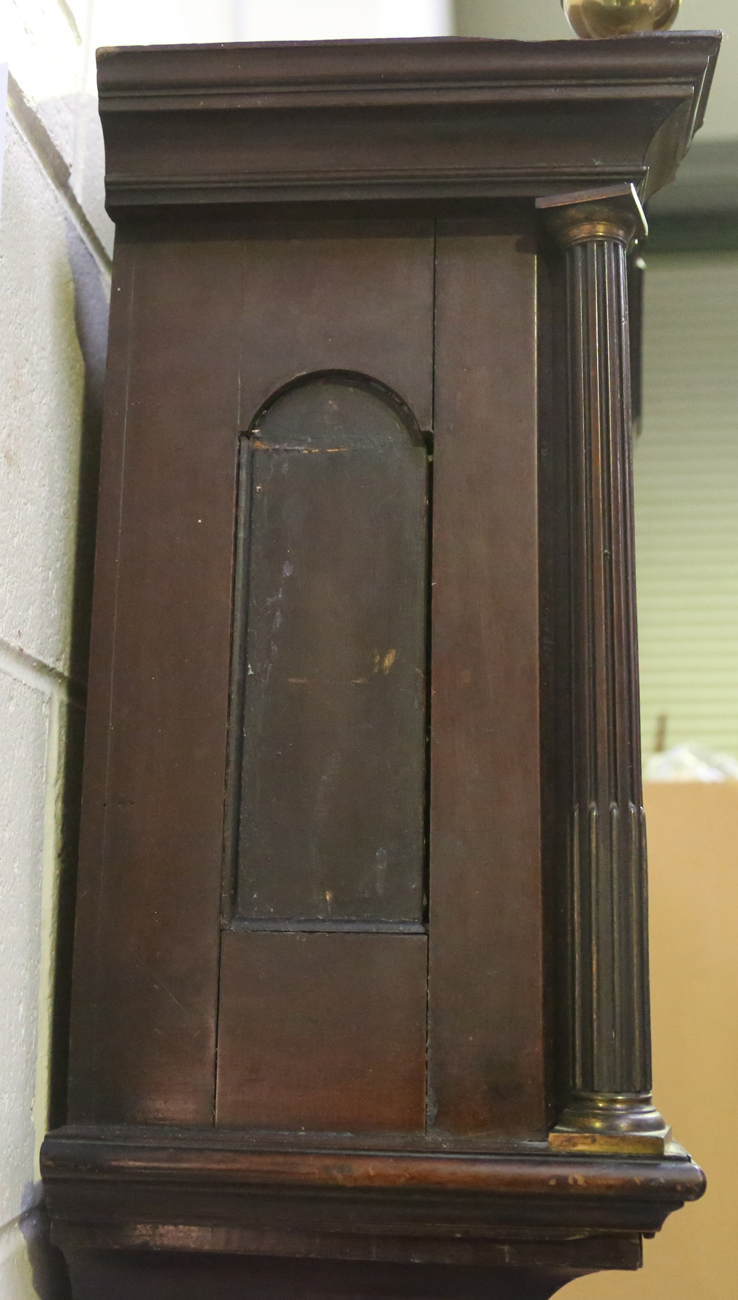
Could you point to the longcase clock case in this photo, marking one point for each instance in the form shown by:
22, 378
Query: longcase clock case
360, 963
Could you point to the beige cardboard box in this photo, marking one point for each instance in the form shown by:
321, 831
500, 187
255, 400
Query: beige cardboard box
693, 872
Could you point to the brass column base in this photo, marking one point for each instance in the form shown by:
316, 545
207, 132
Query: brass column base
611, 1124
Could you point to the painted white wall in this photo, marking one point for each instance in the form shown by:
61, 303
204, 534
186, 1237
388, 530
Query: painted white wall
3, 97
52, 271
295, 20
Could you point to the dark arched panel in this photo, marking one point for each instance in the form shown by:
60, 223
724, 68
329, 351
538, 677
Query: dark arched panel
329, 759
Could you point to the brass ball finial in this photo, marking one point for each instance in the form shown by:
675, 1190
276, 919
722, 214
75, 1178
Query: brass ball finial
597, 18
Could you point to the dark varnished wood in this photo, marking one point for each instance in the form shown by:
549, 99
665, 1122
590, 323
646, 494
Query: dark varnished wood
452, 118
611, 1062
486, 1042
367, 1117
554, 512
248, 1158
636, 308
331, 676
322, 1031
157, 1275
91, 885
143, 1034
147, 938
365, 289
362, 1032
612, 1044
202, 1192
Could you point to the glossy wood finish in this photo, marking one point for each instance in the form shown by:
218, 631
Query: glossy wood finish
221, 1191
397, 120
151, 856
608, 832
82, 1154
147, 940
287, 212
365, 286
486, 1042
322, 1031
611, 1062
157, 1275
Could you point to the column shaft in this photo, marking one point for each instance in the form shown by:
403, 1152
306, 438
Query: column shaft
610, 1105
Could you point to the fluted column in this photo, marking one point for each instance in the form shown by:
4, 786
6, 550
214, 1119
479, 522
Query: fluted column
610, 1106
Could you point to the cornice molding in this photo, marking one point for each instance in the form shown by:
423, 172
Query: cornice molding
238, 124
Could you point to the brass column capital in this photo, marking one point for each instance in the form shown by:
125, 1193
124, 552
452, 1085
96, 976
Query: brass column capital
614, 212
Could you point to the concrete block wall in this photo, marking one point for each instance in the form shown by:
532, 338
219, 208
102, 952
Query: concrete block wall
54, 275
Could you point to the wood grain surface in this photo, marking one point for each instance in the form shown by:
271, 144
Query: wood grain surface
147, 940
158, 1275
486, 1032
322, 1031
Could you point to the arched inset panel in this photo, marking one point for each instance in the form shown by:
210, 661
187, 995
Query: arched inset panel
329, 767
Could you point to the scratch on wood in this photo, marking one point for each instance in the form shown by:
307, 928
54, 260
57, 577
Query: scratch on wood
304, 451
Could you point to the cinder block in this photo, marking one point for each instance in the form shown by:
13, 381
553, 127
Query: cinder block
88, 170
45, 49
63, 796
24, 715
41, 397
16, 1274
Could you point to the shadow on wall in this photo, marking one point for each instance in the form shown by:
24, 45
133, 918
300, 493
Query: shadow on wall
48, 1268
91, 325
